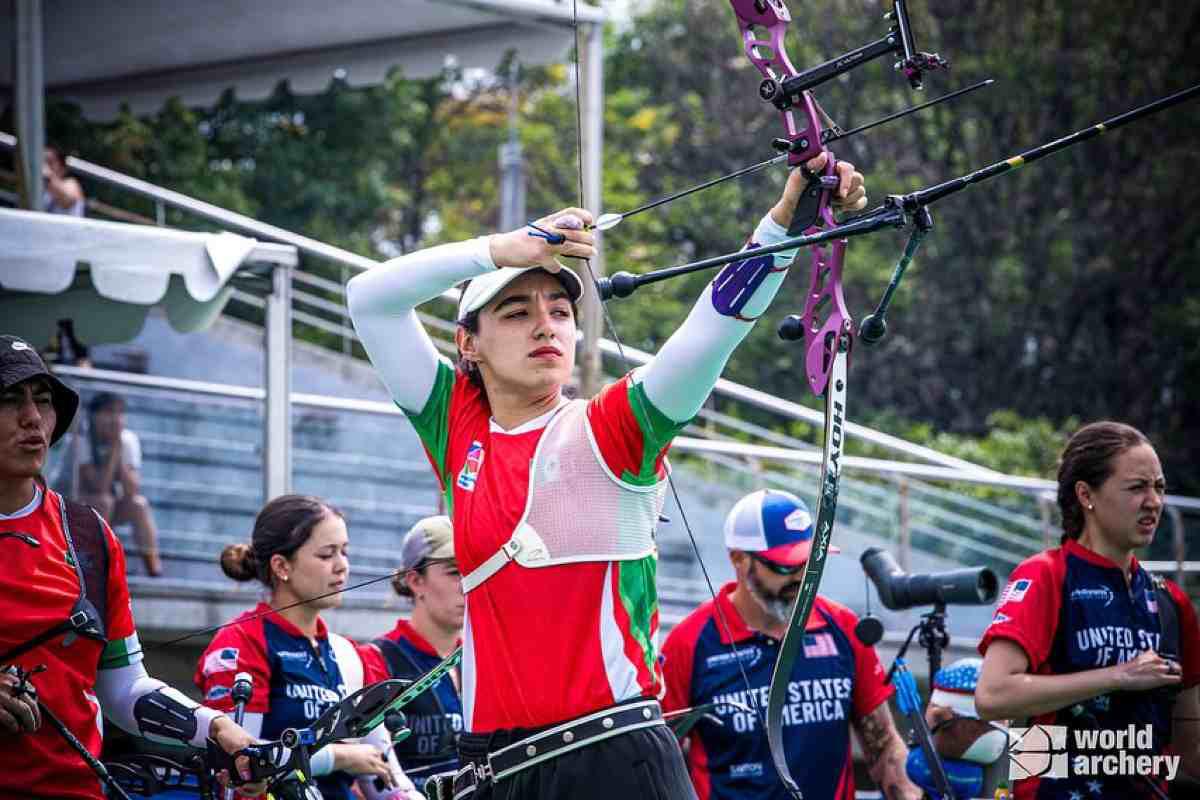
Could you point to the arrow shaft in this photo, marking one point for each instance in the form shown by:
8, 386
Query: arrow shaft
925, 197
707, 184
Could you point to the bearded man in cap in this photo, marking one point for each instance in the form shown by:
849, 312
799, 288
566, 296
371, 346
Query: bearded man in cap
68, 646
837, 683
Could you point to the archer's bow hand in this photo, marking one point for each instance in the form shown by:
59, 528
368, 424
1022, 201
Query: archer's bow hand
850, 195
233, 739
19, 713
534, 245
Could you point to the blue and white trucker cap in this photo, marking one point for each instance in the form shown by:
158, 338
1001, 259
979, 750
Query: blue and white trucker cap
776, 525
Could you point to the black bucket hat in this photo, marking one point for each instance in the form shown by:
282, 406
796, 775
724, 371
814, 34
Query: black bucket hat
19, 361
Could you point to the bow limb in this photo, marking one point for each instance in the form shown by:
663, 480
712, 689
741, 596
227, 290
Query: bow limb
835, 415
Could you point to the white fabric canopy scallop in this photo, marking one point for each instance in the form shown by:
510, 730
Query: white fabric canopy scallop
106, 275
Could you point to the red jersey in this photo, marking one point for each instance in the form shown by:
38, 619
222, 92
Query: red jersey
38, 589
553, 643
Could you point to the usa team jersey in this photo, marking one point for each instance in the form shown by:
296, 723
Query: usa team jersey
294, 682
435, 718
38, 589
553, 643
835, 680
1071, 610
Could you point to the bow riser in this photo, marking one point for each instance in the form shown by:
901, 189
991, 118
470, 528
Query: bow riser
825, 319
763, 24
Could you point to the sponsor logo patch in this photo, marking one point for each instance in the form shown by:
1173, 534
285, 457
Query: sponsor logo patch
996, 620
753, 769
1100, 594
749, 656
295, 655
223, 660
798, 520
217, 693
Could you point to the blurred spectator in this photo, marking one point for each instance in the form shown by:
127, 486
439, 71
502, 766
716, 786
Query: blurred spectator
63, 475
65, 347
64, 194
110, 475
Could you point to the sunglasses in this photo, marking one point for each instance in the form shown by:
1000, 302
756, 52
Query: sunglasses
776, 567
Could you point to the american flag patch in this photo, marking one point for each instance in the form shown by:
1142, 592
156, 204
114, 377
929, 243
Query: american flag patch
819, 645
223, 660
1015, 591
1152, 601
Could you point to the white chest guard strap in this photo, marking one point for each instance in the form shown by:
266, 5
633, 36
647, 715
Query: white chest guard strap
576, 509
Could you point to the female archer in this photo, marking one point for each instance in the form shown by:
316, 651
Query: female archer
1122, 650
299, 669
554, 502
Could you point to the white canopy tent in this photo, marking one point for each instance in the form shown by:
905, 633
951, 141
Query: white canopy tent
105, 277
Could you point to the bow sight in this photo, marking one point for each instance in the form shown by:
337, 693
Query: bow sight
785, 88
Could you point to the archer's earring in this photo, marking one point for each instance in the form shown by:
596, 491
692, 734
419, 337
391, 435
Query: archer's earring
1091, 507
285, 578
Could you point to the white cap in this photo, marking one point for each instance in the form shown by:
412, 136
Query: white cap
481, 290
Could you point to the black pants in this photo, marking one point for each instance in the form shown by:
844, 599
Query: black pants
643, 764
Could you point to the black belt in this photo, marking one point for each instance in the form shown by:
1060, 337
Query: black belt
554, 742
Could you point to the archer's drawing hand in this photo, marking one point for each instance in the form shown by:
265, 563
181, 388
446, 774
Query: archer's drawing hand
519, 249
233, 739
19, 712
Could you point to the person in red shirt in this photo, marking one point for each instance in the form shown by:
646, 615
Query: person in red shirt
836, 685
428, 576
555, 501
67, 615
299, 550
1084, 637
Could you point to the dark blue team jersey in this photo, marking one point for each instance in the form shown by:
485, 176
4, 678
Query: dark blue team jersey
835, 680
435, 718
302, 681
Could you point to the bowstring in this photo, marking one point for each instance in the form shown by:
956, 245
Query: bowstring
272, 610
751, 695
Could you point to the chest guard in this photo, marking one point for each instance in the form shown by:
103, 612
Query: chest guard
576, 509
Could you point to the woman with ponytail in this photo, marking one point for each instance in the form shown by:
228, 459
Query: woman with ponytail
1086, 638
299, 552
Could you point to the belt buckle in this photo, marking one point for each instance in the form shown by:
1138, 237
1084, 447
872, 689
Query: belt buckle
483, 772
79, 620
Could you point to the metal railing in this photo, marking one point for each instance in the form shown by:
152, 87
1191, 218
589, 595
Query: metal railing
917, 509
941, 467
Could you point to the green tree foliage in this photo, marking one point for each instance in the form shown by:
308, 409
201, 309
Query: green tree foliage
1061, 291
